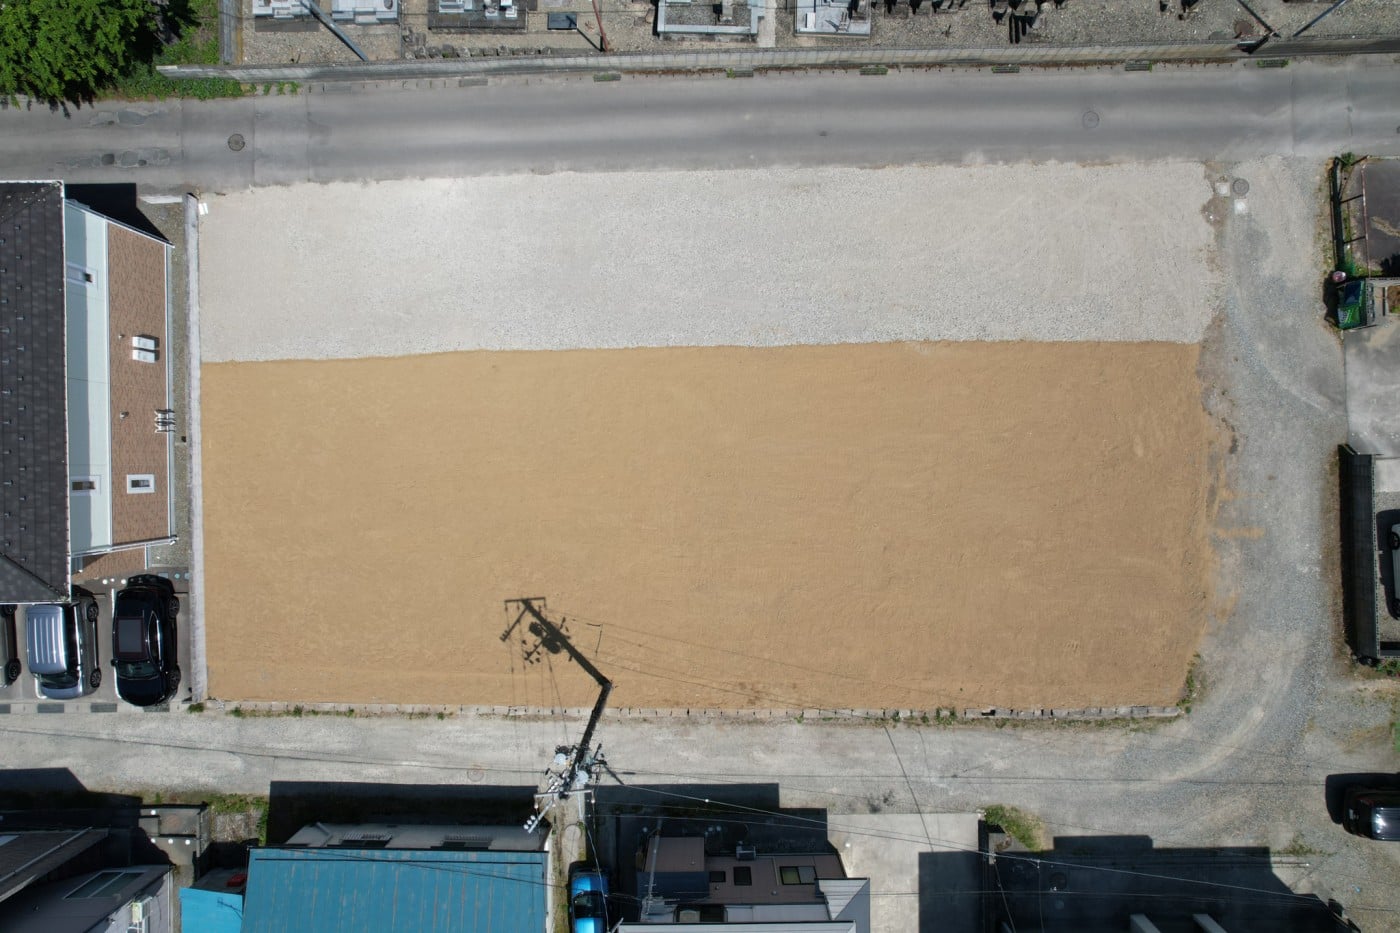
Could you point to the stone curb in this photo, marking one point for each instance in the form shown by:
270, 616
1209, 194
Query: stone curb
934, 716
795, 58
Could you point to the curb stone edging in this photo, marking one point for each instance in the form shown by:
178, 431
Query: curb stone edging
935, 716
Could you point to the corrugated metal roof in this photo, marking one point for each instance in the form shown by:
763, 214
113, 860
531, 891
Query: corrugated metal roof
296, 890
211, 911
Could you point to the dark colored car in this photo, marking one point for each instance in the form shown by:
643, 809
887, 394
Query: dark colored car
9, 647
1372, 812
1393, 539
144, 643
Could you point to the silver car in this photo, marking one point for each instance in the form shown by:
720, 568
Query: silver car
62, 648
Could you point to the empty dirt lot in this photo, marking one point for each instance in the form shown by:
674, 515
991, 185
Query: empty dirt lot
717, 420
871, 525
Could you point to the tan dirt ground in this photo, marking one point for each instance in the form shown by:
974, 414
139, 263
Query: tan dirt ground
880, 525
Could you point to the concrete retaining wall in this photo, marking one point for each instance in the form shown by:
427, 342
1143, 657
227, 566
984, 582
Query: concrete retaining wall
745, 59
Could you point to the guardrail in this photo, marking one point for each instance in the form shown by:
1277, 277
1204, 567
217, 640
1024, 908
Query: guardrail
778, 59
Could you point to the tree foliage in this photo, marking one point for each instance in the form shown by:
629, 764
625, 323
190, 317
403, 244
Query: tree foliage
65, 50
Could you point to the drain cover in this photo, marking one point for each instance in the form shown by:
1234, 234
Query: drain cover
1091, 119
1239, 187
236, 143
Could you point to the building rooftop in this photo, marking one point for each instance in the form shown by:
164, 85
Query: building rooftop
33, 395
28, 856
311, 890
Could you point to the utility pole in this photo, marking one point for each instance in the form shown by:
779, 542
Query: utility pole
577, 763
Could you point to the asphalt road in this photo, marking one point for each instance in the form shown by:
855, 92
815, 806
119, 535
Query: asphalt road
355, 132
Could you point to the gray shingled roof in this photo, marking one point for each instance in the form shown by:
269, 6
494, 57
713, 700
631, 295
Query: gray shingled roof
28, 856
34, 557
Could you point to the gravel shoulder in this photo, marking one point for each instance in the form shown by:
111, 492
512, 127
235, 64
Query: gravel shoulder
763, 258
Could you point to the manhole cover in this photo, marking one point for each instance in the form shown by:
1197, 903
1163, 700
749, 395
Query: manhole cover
1239, 187
476, 775
109, 158
1091, 119
236, 143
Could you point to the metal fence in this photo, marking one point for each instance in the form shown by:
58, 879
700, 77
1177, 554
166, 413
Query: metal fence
1357, 489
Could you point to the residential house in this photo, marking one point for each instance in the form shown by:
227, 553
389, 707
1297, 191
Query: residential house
86, 420
80, 881
680, 884
406, 878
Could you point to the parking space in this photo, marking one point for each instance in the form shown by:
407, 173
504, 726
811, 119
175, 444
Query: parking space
22, 695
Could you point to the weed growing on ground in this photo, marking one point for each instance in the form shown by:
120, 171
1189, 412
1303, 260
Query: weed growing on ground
1194, 687
1016, 823
195, 708
1299, 849
236, 712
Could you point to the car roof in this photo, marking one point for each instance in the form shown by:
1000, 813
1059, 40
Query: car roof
131, 637
45, 637
588, 880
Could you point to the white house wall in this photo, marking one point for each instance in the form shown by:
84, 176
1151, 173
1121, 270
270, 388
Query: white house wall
89, 380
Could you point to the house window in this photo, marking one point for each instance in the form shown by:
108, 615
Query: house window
84, 486
103, 884
743, 876
80, 275
798, 874
140, 482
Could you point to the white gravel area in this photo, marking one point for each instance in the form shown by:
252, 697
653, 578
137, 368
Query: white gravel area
739, 258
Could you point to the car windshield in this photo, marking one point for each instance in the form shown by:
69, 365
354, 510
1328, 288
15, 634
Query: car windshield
135, 670
589, 904
1386, 823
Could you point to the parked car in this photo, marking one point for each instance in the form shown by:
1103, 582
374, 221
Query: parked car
588, 901
9, 647
144, 641
1372, 812
62, 647
1393, 539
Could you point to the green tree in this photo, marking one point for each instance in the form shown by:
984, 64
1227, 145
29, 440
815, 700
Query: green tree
57, 50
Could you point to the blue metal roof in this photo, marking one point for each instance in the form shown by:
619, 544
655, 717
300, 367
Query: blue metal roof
210, 911
408, 891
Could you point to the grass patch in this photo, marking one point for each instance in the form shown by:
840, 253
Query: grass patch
1018, 824
198, 44
1194, 687
195, 708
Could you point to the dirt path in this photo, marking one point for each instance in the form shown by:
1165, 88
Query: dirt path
893, 525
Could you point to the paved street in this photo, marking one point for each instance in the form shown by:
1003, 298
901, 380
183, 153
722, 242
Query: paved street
349, 132
1281, 712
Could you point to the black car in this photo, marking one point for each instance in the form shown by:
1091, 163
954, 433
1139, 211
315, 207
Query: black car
144, 645
9, 647
1373, 813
